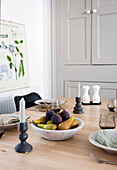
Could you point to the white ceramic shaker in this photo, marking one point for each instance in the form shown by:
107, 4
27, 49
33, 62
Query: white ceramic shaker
86, 97
96, 96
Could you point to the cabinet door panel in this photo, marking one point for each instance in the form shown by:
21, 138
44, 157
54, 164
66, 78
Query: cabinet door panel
76, 32
71, 89
104, 32
106, 3
76, 5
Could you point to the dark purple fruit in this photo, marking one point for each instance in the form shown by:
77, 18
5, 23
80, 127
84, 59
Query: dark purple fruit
49, 114
56, 119
65, 115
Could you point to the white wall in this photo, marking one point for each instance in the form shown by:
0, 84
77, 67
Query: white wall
47, 48
32, 13
0, 9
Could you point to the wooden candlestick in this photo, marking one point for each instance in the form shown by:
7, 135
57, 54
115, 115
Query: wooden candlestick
78, 109
23, 146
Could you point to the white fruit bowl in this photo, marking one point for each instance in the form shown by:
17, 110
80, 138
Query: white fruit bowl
58, 135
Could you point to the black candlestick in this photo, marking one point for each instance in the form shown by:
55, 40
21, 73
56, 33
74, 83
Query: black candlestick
23, 146
78, 109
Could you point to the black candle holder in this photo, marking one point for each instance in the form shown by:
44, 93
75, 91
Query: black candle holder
78, 109
23, 146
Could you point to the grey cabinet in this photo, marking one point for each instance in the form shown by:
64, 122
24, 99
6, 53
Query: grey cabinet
89, 31
84, 46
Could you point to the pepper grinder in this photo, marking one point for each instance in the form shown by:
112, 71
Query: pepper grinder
96, 97
86, 97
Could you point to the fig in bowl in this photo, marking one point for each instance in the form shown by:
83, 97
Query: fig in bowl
65, 115
56, 119
49, 114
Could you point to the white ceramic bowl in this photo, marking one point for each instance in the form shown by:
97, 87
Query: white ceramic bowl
107, 149
58, 135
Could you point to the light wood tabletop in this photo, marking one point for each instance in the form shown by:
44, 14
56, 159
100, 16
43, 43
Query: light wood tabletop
70, 154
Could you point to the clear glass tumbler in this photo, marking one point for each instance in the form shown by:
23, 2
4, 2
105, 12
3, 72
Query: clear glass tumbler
107, 121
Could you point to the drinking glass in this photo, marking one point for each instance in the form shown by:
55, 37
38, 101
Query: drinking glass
55, 106
1, 127
112, 104
107, 121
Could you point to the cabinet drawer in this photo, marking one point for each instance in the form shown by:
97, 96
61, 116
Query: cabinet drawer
107, 90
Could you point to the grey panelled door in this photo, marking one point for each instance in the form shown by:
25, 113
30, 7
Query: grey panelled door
76, 31
104, 31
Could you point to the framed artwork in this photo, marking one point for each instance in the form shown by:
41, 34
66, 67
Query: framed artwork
13, 56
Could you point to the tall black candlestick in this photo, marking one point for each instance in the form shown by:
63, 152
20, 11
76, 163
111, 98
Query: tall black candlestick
78, 109
23, 146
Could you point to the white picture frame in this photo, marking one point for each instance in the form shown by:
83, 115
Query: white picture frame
14, 73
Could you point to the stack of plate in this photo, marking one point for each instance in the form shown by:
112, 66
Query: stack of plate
47, 102
9, 120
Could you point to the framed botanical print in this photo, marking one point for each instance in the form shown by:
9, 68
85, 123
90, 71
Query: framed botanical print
13, 56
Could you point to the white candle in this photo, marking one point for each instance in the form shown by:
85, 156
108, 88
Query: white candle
78, 89
22, 110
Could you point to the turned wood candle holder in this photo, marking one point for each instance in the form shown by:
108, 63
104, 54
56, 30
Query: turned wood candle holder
23, 146
78, 109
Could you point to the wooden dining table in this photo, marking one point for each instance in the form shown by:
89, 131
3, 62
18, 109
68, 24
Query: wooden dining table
73, 153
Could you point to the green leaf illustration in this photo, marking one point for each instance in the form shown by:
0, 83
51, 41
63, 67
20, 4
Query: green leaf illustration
10, 65
3, 36
22, 68
16, 42
17, 49
21, 55
9, 58
21, 41
15, 69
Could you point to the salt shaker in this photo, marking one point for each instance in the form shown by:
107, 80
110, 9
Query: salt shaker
96, 97
86, 97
